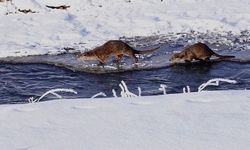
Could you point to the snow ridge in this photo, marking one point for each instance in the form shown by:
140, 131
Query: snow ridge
87, 24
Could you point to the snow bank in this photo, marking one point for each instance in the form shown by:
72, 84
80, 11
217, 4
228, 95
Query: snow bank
194, 121
208, 120
88, 23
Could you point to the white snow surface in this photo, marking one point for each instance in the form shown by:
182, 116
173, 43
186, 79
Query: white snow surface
88, 23
218, 120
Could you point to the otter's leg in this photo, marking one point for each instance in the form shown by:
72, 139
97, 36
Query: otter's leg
188, 61
201, 60
118, 59
207, 59
101, 62
135, 58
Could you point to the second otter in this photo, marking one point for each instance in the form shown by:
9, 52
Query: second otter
115, 48
198, 51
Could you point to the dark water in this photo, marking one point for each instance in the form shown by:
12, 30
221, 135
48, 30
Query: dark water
19, 82
22, 78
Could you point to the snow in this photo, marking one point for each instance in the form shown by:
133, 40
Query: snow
215, 120
207, 120
88, 23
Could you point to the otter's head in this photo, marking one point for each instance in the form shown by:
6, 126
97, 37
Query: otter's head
86, 56
176, 57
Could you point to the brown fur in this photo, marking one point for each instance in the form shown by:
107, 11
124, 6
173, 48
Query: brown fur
198, 51
115, 48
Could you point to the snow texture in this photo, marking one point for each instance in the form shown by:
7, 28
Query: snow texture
192, 121
88, 23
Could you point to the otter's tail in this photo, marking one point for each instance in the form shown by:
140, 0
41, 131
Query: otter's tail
145, 51
223, 56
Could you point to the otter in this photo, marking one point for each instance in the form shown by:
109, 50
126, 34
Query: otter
115, 48
198, 51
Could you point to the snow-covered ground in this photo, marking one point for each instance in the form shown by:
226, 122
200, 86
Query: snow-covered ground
207, 120
194, 121
88, 23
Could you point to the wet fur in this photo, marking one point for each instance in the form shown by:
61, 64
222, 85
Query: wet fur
198, 51
115, 48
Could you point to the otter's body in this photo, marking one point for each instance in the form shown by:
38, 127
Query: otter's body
115, 48
198, 51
